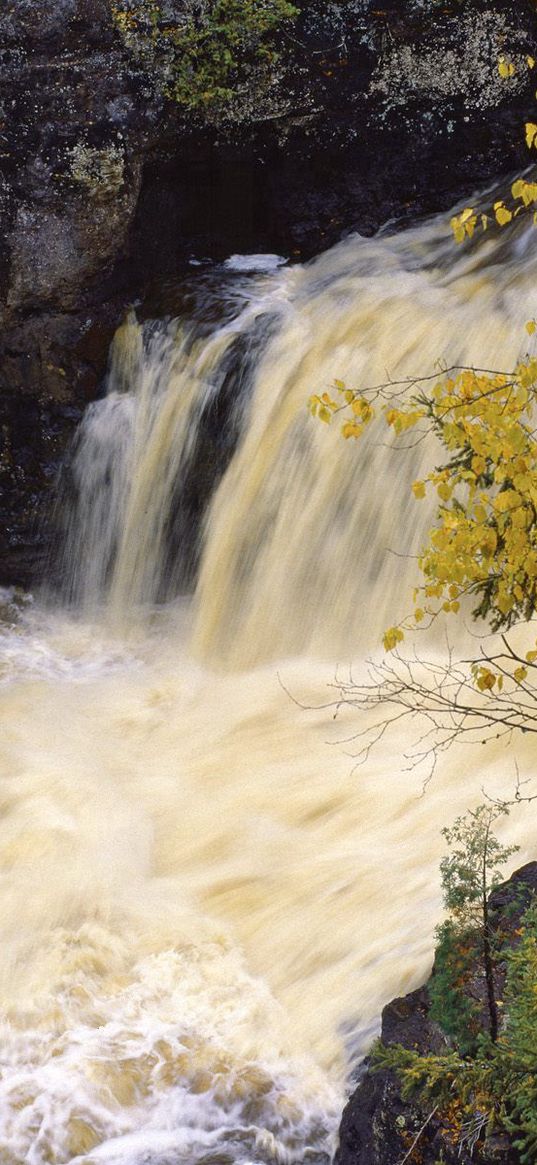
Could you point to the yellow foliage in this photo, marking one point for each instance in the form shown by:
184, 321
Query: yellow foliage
503, 215
506, 68
484, 541
362, 409
322, 407
464, 224
351, 429
526, 191
485, 679
392, 637
402, 419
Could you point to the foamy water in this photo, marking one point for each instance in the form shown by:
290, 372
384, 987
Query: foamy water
204, 907
205, 903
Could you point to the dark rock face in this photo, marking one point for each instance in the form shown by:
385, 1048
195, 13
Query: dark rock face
375, 111
378, 1127
381, 111
72, 135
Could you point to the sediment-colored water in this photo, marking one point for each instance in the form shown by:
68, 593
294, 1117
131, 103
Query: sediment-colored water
204, 902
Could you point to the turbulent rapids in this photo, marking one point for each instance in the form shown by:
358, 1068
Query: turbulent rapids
204, 903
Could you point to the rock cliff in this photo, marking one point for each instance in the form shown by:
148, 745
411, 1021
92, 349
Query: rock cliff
107, 187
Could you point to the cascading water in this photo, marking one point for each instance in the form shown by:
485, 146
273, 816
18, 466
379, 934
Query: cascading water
296, 538
204, 904
132, 458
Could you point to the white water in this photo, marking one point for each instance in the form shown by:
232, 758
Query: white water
204, 905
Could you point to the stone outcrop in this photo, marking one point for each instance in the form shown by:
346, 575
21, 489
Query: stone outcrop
73, 128
378, 1127
375, 111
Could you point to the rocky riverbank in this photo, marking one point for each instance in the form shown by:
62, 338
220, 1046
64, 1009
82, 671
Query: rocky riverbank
107, 187
380, 1128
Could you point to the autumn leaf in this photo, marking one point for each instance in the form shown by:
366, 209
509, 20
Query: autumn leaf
506, 68
392, 637
503, 215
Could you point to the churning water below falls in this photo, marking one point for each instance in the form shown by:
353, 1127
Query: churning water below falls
204, 903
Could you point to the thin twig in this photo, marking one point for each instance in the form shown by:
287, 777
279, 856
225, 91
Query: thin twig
418, 1135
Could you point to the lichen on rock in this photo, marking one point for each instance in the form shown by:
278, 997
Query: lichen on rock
99, 171
465, 67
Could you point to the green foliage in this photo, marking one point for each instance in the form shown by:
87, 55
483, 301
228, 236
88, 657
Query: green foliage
471, 869
517, 1058
490, 1082
498, 1082
457, 1013
466, 940
198, 57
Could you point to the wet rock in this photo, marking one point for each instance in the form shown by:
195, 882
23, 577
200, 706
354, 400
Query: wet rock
72, 132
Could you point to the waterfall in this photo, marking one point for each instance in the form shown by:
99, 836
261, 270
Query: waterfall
303, 525
205, 901
125, 541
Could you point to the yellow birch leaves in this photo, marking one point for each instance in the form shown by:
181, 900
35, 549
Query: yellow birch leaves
524, 196
506, 68
392, 637
322, 407
361, 409
484, 541
527, 191
463, 225
524, 193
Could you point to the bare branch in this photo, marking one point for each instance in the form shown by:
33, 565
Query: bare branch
443, 695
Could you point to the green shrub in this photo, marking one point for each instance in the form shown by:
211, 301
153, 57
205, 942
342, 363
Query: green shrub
457, 1013
497, 1084
199, 56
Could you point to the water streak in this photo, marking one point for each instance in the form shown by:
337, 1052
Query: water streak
310, 541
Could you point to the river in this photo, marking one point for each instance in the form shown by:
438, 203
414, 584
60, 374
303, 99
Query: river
205, 902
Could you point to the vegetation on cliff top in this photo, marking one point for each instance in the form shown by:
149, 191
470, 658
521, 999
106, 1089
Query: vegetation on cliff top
198, 56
